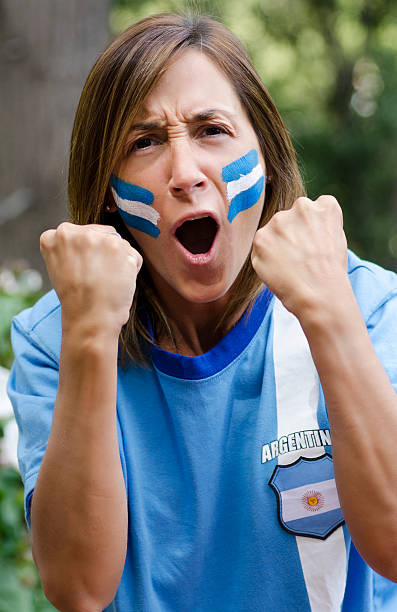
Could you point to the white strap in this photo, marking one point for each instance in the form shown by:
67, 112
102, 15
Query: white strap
297, 393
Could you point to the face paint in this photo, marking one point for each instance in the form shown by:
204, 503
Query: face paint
134, 205
244, 180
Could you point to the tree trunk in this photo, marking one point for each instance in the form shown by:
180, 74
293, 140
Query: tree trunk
47, 50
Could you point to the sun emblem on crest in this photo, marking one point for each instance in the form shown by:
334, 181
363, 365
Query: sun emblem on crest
313, 500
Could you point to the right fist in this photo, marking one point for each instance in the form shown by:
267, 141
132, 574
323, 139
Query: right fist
93, 271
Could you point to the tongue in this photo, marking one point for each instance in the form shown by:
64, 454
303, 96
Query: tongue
198, 235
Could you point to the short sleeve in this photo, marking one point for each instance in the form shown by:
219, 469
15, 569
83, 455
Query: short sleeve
382, 329
32, 389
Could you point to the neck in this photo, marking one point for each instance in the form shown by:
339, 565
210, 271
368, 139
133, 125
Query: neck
195, 327
198, 331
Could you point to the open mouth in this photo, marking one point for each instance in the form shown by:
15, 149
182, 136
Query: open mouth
197, 235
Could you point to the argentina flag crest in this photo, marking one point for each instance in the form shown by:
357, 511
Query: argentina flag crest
307, 499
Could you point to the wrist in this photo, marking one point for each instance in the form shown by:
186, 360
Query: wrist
318, 305
90, 328
333, 315
87, 371
90, 340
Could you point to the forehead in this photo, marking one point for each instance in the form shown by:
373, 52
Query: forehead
191, 83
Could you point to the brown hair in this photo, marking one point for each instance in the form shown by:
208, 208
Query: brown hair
113, 95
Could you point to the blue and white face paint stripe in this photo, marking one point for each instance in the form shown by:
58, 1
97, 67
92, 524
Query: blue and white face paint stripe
245, 182
134, 205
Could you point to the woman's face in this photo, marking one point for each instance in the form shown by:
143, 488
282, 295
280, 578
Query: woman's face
190, 185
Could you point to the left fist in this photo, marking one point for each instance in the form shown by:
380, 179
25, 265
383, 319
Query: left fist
301, 254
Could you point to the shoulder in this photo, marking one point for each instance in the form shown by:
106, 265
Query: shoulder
40, 326
373, 285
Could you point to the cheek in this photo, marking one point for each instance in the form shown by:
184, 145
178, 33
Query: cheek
135, 205
245, 181
245, 226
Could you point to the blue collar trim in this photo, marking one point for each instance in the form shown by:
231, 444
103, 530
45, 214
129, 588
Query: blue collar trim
223, 353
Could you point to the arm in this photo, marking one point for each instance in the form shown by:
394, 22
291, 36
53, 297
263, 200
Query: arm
79, 509
301, 255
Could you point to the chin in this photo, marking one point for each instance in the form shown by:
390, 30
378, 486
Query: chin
203, 294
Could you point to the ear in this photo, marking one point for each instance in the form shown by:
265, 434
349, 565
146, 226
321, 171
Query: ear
111, 208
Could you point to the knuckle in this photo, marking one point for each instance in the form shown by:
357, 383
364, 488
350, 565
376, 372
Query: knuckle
302, 202
63, 230
328, 201
331, 205
64, 226
45, 239
92, 237
132, 260
100, 227
278, 220
328, 198
258, 239
135, 258
303, 208
112, 245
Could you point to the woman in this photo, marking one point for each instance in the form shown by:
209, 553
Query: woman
177, 453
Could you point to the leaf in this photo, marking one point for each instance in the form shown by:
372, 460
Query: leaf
13, 596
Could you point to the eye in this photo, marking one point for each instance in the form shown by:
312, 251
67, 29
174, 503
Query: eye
141, 143
213, 130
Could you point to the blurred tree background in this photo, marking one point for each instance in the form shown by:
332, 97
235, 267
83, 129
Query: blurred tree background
331, 68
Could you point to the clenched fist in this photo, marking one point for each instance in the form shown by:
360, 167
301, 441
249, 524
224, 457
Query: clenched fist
301, 254
94, 271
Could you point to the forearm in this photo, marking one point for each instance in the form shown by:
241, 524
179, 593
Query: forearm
362, 409
79, 513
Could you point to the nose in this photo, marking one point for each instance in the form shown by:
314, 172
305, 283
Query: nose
186, 177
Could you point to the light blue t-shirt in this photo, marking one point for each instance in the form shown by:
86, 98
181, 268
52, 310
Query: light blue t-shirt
231, 498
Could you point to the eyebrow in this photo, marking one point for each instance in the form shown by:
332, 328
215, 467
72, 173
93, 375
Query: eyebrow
204, 115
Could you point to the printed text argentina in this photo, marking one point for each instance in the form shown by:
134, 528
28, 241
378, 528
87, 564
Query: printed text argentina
296, 441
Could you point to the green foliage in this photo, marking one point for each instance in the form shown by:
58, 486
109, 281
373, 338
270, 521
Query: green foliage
20, 588
331, 68
10, 305
19, 289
